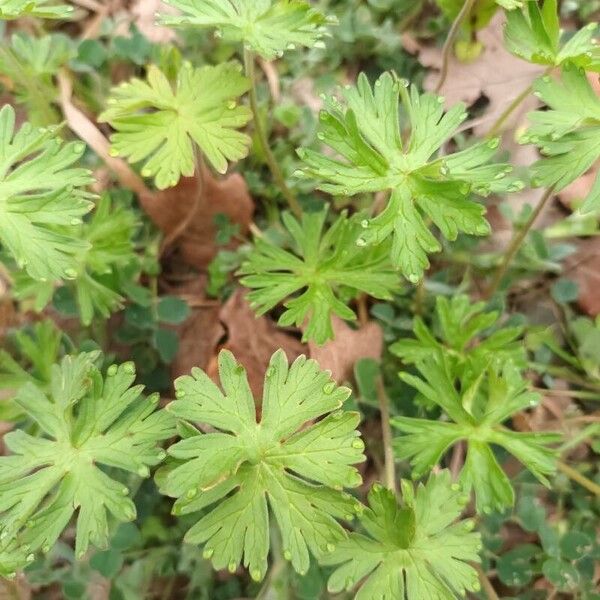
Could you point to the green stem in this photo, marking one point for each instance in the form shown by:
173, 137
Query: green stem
465, 11
486, 584
249, 64
386, 430
516, 244
582, 480
497, 126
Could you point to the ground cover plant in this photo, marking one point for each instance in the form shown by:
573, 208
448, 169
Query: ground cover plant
299, 300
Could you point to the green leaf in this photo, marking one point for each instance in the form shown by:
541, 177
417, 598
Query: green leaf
31, 64
464, 335
109, 249
85, 421
575, 545
534, 35
288, 465
372, 157
45, 9
414, 550
561, 574
488, 395
516, 567
568, 134
160, 124
173, 310
268, 27
41, 200
166, 343
323, 265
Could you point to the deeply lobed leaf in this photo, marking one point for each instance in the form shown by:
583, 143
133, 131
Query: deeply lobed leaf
45, 9
323, 265
291, 464
568, 133
268, 27
160, 124
372, 156
85, 421
41, 198
411, 550
487, 397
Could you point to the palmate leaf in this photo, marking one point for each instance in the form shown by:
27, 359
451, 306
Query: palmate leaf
365, 133
161, 124
485, 399
41, 200
45, 9
322, 264
284, 465
568, 133
534, 35
268, 27
463, 337
85, 421
31, 63
108, 236
415, 550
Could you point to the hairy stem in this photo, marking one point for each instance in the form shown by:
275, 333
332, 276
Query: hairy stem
249, 64
386, 431
516, 244
582, 480
465, 11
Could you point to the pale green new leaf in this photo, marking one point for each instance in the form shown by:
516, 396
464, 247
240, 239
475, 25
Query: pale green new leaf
413, 550
568, 133
477, 409
84, 421
365, 133
41, 199
160, 123
534, 35
268, 27
291, 464
45, 9
31, 64
465, 335
324, 265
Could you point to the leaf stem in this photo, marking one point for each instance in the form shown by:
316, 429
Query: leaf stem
486, 584
249, 65
575, 475
386, 430
516, 243
465, 11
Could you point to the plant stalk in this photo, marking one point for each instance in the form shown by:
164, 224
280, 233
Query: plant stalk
249, 64
516, 244
386, 431
575, 475
465, 11
486, 584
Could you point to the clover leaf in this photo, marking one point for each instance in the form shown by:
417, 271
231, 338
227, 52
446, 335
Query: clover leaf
463, 337
568, 133
85, 421
40, 198
45, 9
322, 265
365, 133
534, 35
477, 410
267, 27
410, 550
291, 464
161, 124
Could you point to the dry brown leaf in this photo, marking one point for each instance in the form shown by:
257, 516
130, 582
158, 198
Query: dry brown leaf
143, 15
185, 205
16, 589
348, 347
583, 267
253, 340
496, 74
